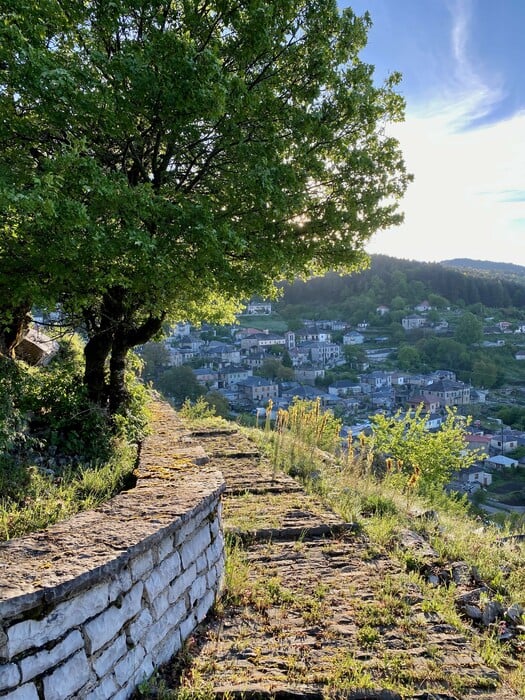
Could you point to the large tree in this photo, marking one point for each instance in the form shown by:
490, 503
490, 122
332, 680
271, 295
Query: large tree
168, 159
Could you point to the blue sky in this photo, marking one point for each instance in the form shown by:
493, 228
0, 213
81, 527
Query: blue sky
463, 66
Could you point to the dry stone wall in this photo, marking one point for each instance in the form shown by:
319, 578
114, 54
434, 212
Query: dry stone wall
90, 606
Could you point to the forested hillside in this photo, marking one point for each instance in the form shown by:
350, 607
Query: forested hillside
398, 283
487, 268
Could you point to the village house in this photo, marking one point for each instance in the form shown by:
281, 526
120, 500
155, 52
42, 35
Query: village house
322, 352
448, 392
259, 341
423, 306
431, 404
180, 356
308, 374
376, 380
475, 443
476, 475
353, 338
254, 360
412, 322
221, 352
259, 308
258, 389
383, 397
504, 441
36, 348
299, 356
314, 334
344, 387
382, 310
231, 375
501, 462
207, 377
304, 392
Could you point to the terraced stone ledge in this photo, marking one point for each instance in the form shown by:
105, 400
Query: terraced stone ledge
90, 606
317, 610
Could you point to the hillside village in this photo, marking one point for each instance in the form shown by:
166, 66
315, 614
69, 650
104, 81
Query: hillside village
230, 361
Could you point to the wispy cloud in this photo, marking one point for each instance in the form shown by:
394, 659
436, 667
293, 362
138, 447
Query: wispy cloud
468, 197
468, 95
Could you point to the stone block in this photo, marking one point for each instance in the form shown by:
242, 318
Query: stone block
193, 523
109, 624
182, 583
197, 590
202, 563
109, 657
44, 661
164, 548
67, 679
187, 626
25, 692
138, 628
105, 690
211, 578
126, 667
215, 550
31, 634
195, 545
164, 627
141, 565
160, 605
9, 676
120, 584
162, 576
167, 648
144, 672
215, 525
204, 606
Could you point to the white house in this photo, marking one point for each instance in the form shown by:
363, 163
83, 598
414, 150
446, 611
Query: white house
423, 306
413, 321
504, 442
353, 338
501, 462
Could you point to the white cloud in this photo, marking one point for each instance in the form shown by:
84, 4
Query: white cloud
458, 205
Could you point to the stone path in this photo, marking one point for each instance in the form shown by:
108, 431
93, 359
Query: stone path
318, 611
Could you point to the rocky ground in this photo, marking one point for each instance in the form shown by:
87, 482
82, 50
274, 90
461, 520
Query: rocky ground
317, 609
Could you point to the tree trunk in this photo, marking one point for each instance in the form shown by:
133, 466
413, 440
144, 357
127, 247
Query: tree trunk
123, 340
118, 392
96, 352
12, 331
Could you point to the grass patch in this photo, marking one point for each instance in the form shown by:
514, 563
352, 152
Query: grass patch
38, 499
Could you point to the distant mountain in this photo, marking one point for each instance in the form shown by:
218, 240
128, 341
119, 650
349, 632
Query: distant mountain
508, 271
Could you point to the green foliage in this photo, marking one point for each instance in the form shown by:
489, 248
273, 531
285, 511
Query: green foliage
469, 329
513, 416
409, 358
275, 369
179, 384
181, 158
156, 359
12, 381
61, 416
198, 410
33, 499
218, 403
417, 458
306, 421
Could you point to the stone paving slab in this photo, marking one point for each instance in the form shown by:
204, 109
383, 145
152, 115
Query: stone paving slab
320, 616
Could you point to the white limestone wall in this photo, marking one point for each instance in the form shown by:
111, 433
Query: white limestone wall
90, 606
103, 640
